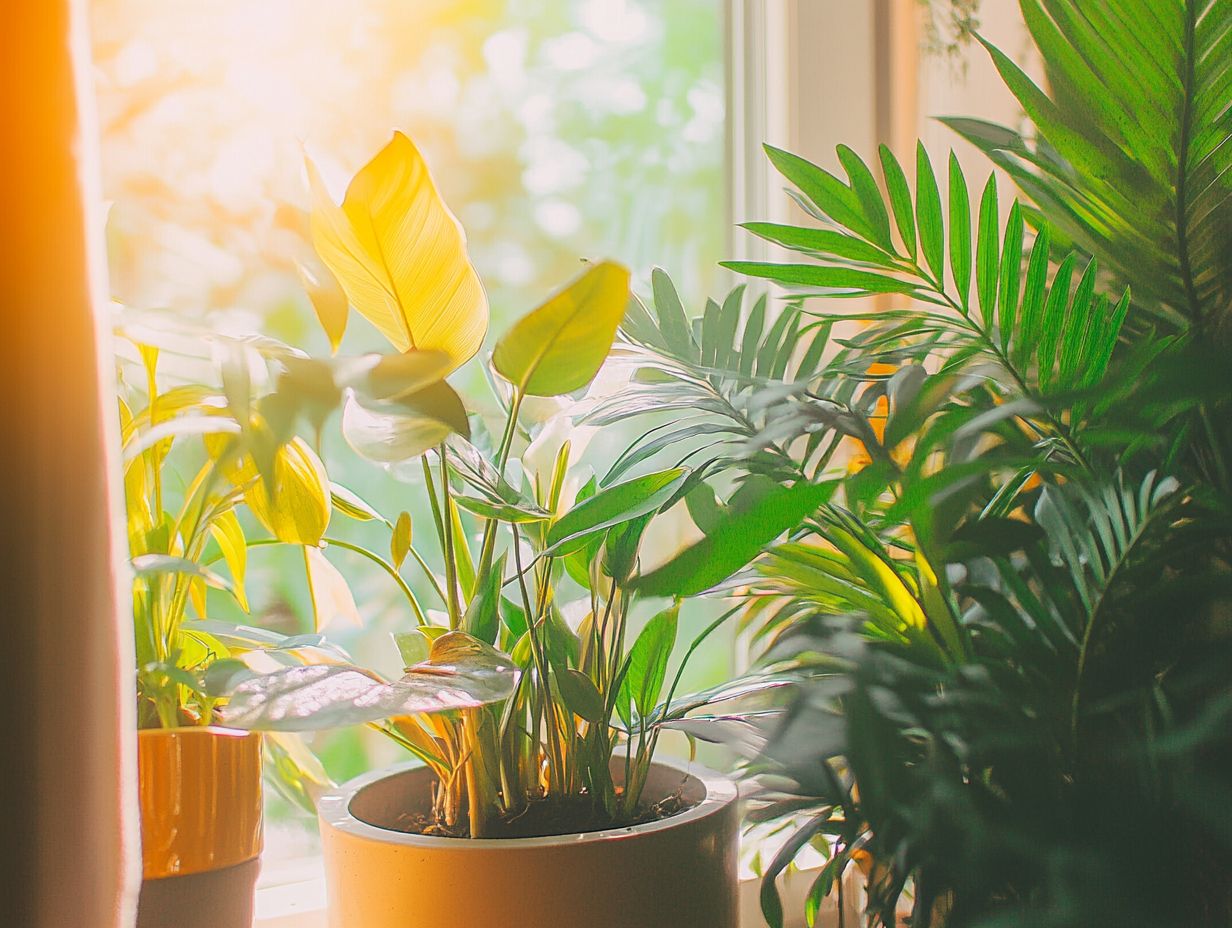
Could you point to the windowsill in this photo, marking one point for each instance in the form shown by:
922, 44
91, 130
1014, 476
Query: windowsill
293, 896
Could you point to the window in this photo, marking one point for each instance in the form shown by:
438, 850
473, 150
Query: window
557, 129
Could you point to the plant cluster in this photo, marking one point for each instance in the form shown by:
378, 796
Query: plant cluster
529, 723
1011, 609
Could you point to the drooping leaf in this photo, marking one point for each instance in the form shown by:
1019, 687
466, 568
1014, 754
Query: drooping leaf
399, 431
328, 300
294, 501
229, 534
330, 594
461, 672
581, 695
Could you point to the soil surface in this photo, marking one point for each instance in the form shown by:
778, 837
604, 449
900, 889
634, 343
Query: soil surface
546, 817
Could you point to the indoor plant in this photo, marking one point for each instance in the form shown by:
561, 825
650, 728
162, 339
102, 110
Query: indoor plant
1013, 618
539, 759
199, 784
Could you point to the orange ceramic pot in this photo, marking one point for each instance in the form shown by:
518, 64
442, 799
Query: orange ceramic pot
676, 873
200, 791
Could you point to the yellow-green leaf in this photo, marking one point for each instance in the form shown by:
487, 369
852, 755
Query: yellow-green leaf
294, 501
329, 301
560, 346
400, 540
229, 534
332, 601
400, 255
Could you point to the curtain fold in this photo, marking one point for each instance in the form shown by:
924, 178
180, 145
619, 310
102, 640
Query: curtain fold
69, 741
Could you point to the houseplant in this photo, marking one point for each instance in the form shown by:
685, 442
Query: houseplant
536, 737
1013, 617
199, 784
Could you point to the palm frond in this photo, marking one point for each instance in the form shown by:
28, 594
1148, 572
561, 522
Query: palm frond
1132, 152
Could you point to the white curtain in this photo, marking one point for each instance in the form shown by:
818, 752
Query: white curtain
68, 743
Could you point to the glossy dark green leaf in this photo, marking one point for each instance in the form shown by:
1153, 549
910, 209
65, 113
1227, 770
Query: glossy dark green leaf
736, 541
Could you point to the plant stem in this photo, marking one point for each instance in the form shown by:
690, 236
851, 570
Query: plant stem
488, 548
389, 568
451, 566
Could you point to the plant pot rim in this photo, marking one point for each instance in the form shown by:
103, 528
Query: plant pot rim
333, 809
215, 730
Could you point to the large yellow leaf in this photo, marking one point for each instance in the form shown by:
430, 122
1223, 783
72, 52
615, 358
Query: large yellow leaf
400, 255
560, 346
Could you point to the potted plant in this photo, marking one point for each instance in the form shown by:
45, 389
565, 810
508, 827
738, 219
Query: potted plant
1010, 619
200, 783
536, 797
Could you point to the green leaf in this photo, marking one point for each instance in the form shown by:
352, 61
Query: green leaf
848, 281
581, 695
482, 618
502, 512
413, 647
391, 432
1053, 320
988, 257
560, 346
1010, 275
621, 502
869, 196
900, 198
149, 565
960, 234
646, 666
400, 540
928, 214
351, 505
673, 322
820, 241
735, 541
827, 192
1033, 295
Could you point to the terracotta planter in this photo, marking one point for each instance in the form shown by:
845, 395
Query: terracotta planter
676, 873
200, 792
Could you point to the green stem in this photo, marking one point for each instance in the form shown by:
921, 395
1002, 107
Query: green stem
488, 548
380, 562
451, 566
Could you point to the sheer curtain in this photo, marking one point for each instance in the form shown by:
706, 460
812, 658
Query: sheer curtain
70, 828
